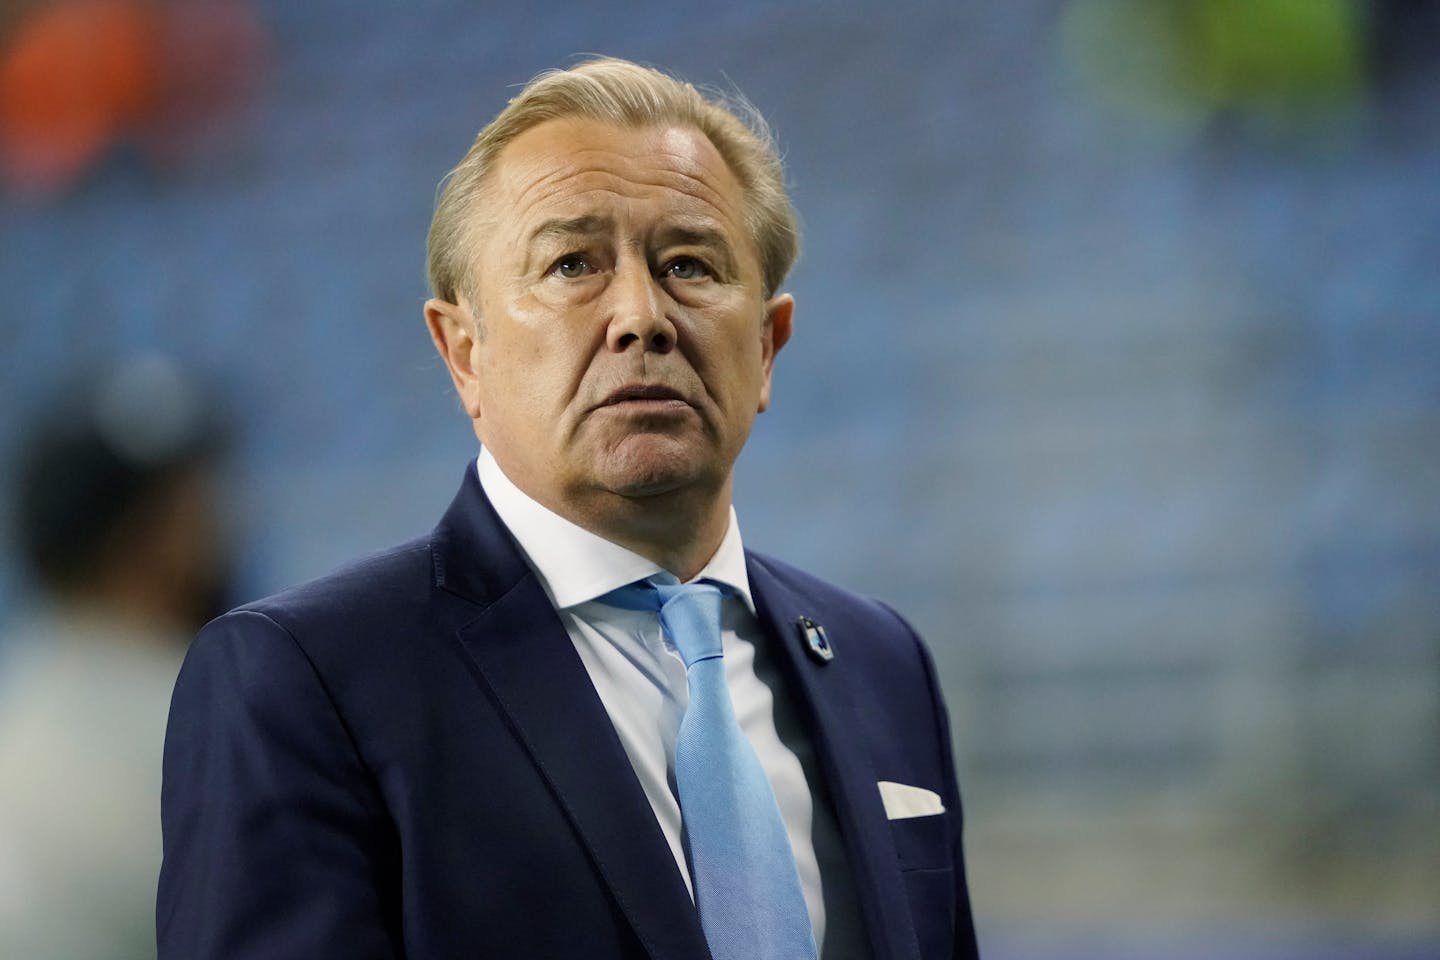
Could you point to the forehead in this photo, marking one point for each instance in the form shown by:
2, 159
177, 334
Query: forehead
575, 167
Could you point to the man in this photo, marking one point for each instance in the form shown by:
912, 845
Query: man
483, 743
117, 520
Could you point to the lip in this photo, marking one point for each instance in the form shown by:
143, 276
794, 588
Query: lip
643, 393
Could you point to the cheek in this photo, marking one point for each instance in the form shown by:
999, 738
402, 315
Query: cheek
728, 357
535, 358
709, 297
519, 337
563, 297
737, 353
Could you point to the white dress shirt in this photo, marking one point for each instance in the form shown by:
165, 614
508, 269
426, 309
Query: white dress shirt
640, 678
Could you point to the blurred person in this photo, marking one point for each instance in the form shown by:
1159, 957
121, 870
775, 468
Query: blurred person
116, 518
578, 719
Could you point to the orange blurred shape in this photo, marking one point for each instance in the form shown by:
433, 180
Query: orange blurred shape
74, 74
211, 61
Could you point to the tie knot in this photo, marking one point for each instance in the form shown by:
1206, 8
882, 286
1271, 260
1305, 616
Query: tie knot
689, 614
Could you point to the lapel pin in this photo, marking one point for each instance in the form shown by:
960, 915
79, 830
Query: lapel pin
812, 635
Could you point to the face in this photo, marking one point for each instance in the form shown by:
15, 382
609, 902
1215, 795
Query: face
624, 343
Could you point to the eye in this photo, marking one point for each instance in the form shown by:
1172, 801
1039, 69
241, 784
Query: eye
571, 267
686, 268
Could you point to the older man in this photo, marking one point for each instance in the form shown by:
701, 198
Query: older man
578, 719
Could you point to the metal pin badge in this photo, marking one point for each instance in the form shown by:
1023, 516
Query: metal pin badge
812, 635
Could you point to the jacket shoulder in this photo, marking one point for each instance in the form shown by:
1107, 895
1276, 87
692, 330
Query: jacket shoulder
826, 595
363, 591
379, 617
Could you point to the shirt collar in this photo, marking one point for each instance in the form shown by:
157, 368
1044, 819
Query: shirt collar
575, 565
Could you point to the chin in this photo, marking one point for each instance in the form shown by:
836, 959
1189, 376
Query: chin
651, 469
653, 482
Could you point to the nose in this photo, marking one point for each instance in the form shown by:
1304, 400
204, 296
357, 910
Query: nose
638, 312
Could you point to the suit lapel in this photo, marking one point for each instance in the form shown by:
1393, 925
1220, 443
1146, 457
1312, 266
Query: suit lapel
529, 666
826, 699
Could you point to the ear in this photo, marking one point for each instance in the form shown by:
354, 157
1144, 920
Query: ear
779, 311
456, 336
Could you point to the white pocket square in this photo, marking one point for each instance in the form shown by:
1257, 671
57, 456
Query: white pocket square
903, 801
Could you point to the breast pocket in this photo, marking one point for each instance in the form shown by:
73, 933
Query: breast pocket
924, 848
923, 843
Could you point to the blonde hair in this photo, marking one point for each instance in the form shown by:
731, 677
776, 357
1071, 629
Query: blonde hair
629, 95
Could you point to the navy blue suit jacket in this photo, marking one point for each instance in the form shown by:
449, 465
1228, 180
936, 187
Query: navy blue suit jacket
407, 759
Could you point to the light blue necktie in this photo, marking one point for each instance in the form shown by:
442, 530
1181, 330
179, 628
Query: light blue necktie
747, 888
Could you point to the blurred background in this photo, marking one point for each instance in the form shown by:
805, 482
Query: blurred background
1117, 368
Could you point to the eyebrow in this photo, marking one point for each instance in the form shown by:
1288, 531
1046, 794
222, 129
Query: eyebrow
675, 234
563, 227
711, 239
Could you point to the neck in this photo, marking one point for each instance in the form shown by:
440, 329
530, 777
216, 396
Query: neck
679, 530
680, 537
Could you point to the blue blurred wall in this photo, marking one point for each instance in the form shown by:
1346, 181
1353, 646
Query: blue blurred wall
1137, 416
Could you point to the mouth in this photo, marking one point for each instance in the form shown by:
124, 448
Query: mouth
650, 395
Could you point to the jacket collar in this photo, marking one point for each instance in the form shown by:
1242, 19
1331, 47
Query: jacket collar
827, 702
527, 666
